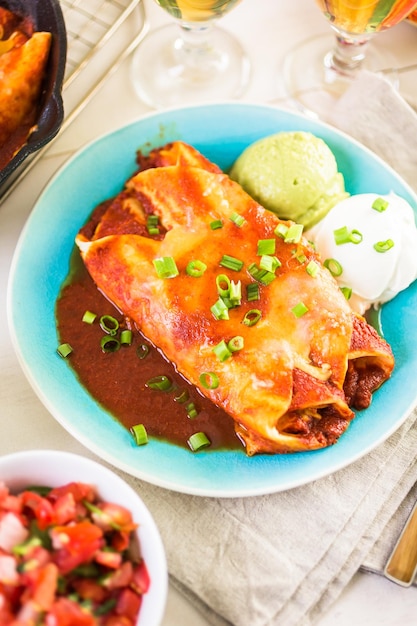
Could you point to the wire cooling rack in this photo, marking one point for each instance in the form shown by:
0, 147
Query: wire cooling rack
90, 25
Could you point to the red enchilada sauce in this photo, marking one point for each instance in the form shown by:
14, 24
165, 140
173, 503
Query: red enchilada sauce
118, 380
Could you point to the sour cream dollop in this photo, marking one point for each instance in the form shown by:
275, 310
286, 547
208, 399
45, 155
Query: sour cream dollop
374, 277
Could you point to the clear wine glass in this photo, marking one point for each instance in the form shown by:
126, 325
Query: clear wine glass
319, 70
191, 60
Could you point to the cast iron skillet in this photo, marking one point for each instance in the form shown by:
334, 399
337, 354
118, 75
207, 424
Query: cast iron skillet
46, 16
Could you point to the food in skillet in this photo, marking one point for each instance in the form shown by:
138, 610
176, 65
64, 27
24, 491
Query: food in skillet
23, 59
64, 559
237, 299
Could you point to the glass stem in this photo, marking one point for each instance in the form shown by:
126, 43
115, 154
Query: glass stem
347, 55
193, 46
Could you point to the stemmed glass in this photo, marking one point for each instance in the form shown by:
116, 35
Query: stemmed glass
318, 71
191, 60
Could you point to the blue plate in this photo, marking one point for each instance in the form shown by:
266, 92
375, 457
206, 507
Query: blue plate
41, 262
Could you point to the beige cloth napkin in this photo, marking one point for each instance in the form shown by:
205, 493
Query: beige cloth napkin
280, 559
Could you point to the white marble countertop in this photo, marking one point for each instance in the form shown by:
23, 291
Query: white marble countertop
268, 30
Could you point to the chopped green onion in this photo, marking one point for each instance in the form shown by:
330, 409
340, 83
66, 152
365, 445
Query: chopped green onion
152, 226
237, 219
231, 263
109, 324
235, 292
333, 266
261, 275
139, 433
252, 317
252, 292
266, 246
198, 441
166, 267
235, 344
281, 230
191, 411
89, 317
269, 263
196, 268
160, 383
142, 351
312, 268
220, 310
209, 380
126, 337
223, 285
108, 605
216, 224
344, 235
294, 233
379, 204
109, 343
299, 309
182, 397
222, 351
64, 350
383, 246
347, 292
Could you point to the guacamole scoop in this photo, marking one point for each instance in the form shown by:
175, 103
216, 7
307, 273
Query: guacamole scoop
294, 174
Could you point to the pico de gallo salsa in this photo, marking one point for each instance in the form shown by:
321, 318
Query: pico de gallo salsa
66, 559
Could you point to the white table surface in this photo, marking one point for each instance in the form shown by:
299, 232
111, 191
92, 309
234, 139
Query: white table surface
268, 29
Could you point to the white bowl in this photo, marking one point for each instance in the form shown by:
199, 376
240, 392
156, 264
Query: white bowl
55, 468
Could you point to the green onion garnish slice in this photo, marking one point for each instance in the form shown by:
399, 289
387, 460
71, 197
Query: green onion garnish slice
379, 204
266, 246
231, 263
220, 310
64, 350
252, 317
312, 268
252, 292
222, 351
142, 350
126, 337
216, 224
235, 292
191, 411
301, 258
209, 380
139, 433
344, 235
109, 324
237, 219
160, 383
236, 343
333, 266
281, 230
383, 246
152, 224
347, 292
223, 285
261, 275
89, 317
166, 267
196, 268
269, 263
294, 233
109, 343
299, 309
182, 397
198, 441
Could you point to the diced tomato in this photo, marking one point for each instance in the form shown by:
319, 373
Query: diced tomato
75, 544
114, 516
108, 559
79, 491
128, 604
89, 589
41, 508
44, 586
65, 509
120, 540
141, 580
121, 577
118, 620
64, 612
